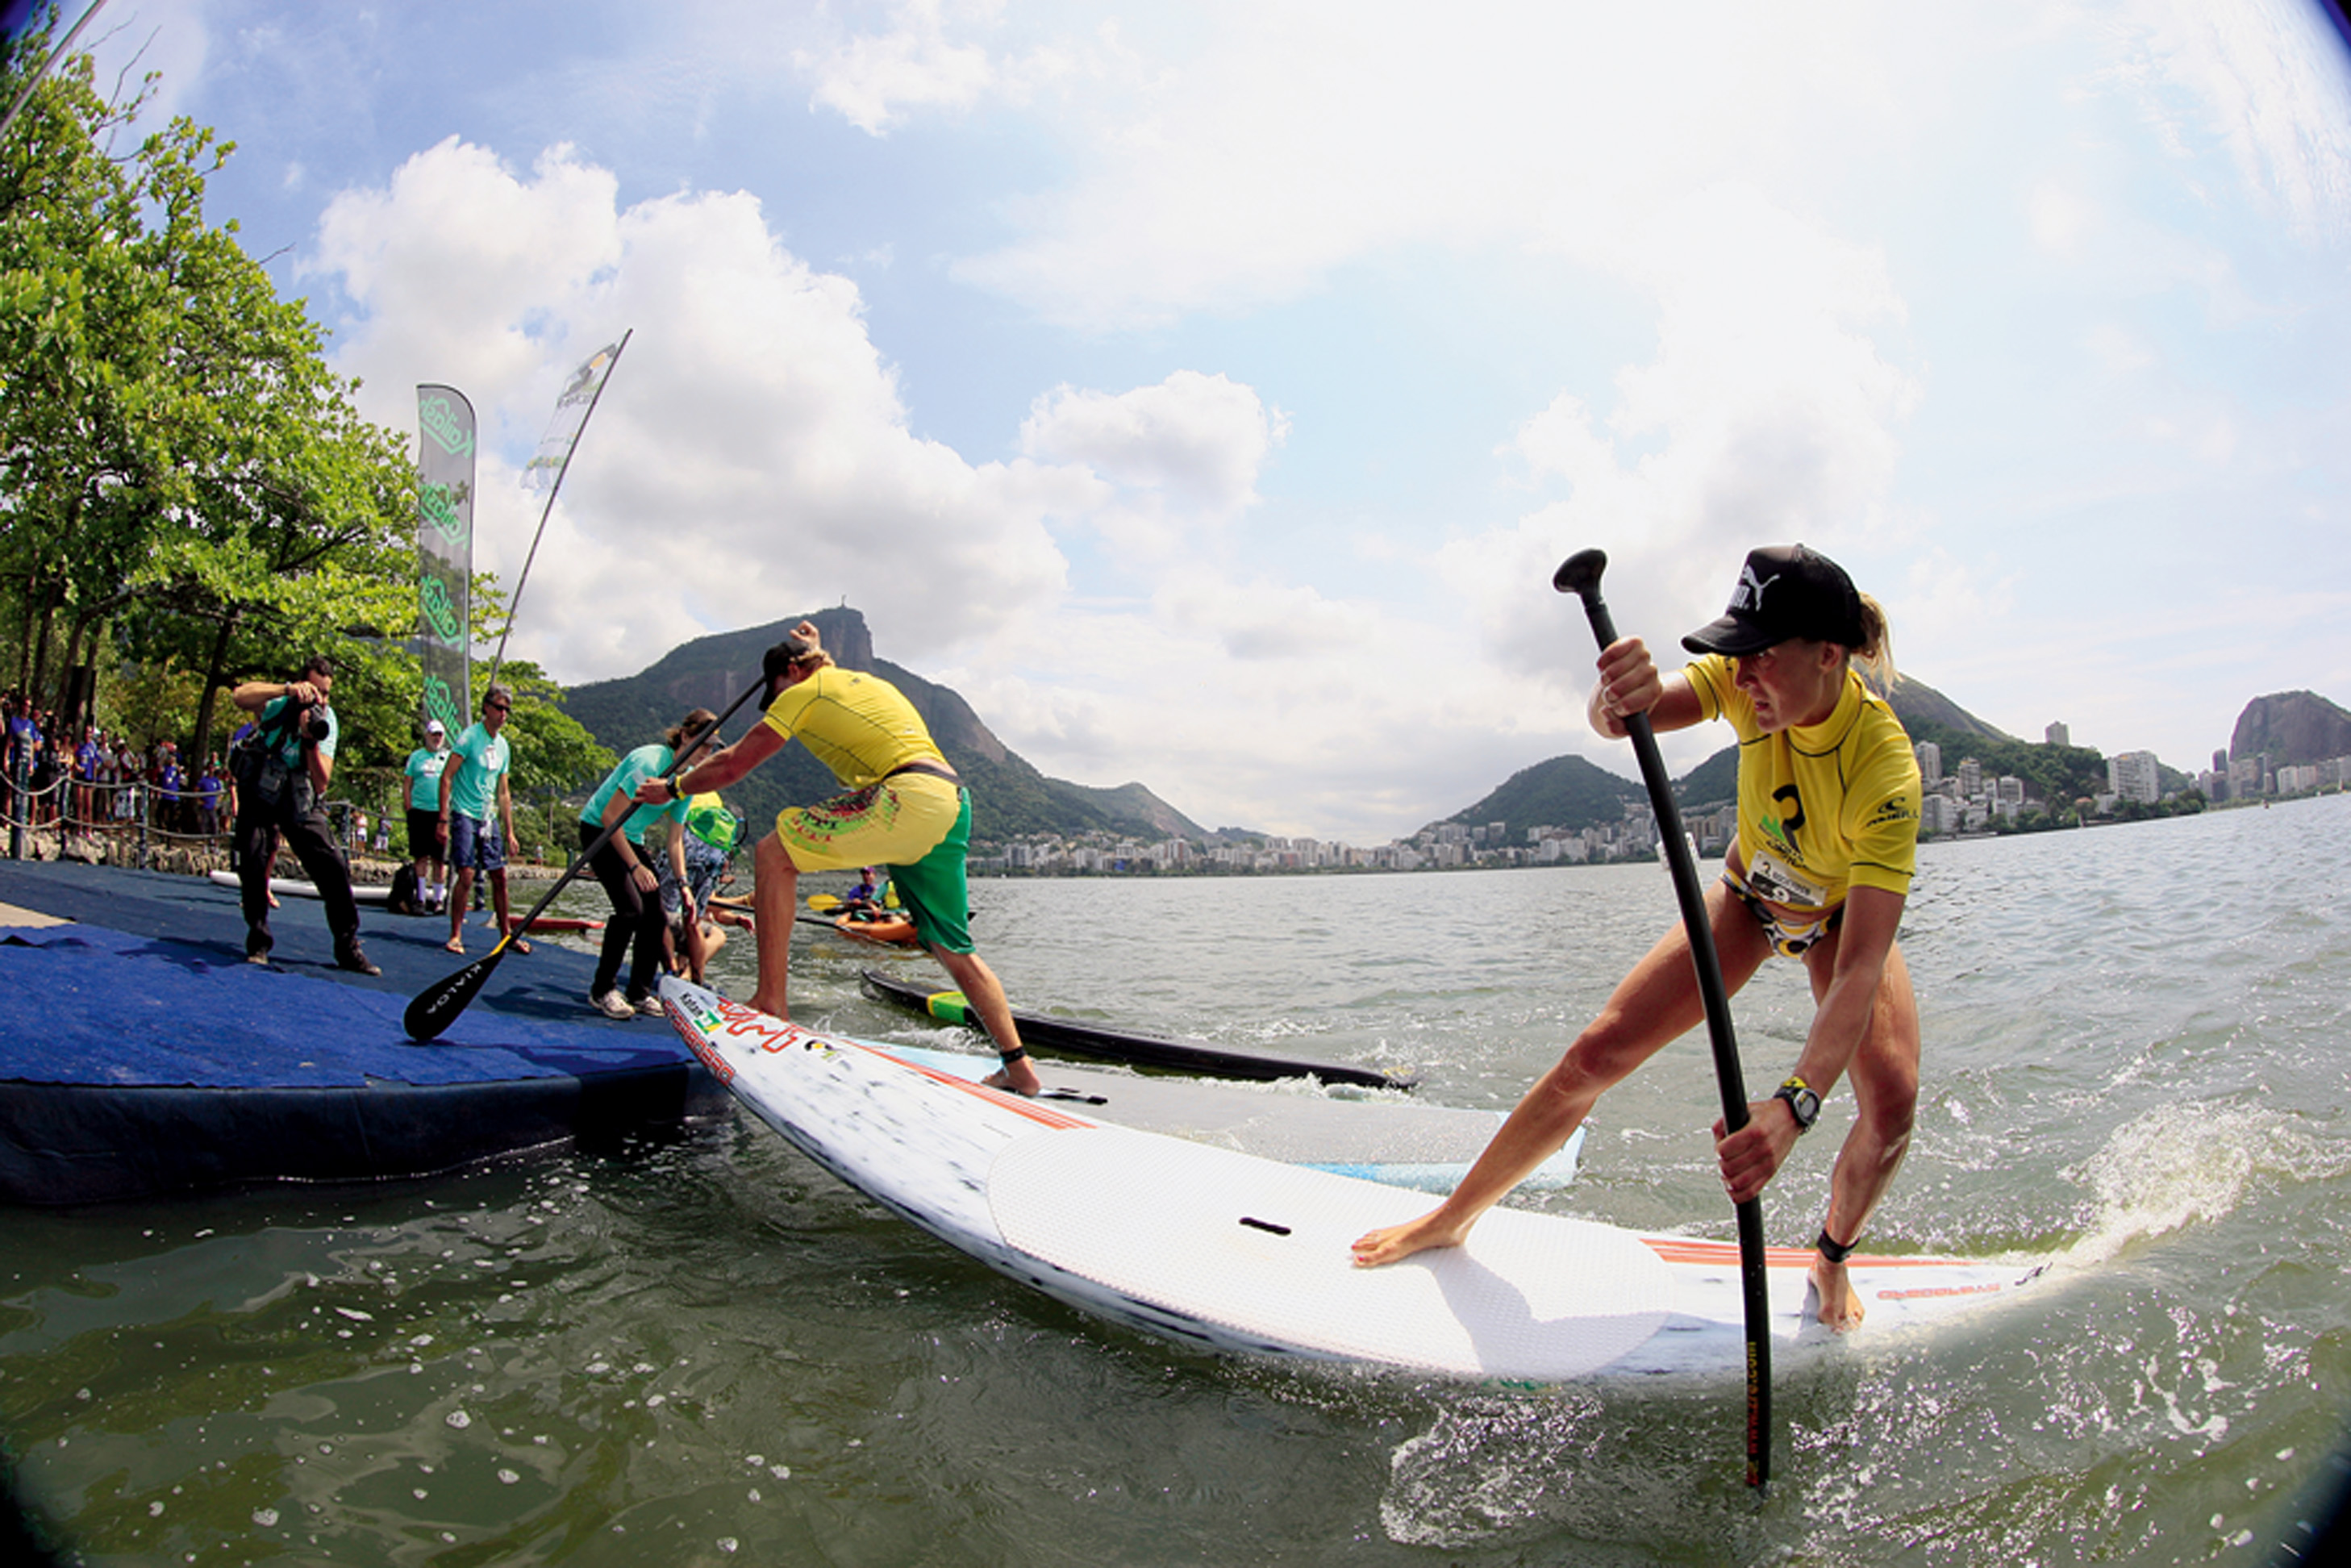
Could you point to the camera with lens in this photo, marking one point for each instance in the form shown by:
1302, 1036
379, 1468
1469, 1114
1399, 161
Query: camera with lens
313, 725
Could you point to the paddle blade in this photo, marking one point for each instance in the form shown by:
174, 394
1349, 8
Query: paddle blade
436, 1007
823, 901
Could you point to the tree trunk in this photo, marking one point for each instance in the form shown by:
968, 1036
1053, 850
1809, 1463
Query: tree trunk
201, 746
25, 632
36, 689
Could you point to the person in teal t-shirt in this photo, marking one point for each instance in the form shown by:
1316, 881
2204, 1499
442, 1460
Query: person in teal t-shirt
423, 804
473, 787
617, 857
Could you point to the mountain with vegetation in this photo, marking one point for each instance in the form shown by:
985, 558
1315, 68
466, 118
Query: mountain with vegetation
1009, 797
1562, 792
1570, 792
1919, 705
2292, 727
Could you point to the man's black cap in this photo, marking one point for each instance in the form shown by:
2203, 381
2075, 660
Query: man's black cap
1783, 591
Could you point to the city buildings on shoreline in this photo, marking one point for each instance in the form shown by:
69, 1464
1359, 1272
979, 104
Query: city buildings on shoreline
1963, 801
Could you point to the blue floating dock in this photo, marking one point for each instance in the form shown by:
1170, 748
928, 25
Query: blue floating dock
142, 1057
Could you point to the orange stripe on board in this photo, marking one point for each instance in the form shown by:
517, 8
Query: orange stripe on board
1002, 1098
1690, 1250
773, 1034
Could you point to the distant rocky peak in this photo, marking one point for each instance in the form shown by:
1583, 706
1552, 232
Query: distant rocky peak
2292, 727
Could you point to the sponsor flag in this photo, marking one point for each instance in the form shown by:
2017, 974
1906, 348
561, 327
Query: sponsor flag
545, 470
445, 553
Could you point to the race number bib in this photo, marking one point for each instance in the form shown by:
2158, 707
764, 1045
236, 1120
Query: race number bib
1775, 882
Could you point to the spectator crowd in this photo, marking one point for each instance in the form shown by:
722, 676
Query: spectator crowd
82, 779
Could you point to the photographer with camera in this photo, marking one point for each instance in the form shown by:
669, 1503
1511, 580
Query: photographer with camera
281, 771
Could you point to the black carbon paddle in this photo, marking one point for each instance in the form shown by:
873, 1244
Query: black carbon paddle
1579, 574
436, 1007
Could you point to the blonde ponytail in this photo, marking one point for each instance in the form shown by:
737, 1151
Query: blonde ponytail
1875, 652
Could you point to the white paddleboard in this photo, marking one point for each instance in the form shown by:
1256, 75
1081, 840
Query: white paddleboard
1233, 1253
1380, 1135
292, 887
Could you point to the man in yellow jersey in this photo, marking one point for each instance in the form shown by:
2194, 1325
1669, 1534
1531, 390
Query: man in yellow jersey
1828, 834
904, 808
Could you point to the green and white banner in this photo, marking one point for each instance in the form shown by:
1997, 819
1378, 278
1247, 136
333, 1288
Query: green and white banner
444, 552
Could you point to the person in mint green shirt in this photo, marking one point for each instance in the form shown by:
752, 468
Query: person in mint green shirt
472, 787
612, 831
423, 807
711, 834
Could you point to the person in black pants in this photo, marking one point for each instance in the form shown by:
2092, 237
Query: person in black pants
282, 780
631, 884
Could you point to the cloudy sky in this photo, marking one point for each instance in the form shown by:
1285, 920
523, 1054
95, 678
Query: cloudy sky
1208, 391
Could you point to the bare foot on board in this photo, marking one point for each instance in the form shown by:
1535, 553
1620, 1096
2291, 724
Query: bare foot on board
1831, 1285
1018, 1078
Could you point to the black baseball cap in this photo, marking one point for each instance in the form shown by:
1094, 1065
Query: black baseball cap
1783, 591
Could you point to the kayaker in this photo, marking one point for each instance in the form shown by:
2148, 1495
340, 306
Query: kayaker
1828, 832
629, 879
865, 898
905, 810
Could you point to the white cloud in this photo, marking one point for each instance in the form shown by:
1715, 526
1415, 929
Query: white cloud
1767, 414
870, 79
2059, 217
751, 457
876, 80
2264, 79
1185, 454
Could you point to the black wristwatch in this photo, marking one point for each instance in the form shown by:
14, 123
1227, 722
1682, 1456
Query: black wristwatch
1802, 1103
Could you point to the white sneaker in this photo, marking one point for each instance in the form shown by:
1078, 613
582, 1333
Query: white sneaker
650, 1005
612, 1003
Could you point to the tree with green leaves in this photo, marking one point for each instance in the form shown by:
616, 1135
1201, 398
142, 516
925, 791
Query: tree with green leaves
183, 479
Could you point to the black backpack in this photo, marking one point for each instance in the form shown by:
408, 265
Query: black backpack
258, 763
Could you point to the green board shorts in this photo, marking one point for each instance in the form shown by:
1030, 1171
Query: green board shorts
933, 889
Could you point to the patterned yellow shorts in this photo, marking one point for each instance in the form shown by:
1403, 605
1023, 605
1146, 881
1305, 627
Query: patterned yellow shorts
897, 822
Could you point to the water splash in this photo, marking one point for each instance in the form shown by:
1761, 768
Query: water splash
2177, 1165
1487, 1467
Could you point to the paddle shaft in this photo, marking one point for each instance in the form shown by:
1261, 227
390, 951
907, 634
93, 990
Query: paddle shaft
436, 1007
1580, 576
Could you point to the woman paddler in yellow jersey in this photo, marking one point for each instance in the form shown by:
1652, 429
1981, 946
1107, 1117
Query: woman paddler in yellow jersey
1828, 832
904, 808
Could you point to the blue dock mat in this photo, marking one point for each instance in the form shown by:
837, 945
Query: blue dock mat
140, 1056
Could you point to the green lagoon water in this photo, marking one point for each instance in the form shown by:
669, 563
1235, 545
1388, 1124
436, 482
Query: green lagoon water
713, 1353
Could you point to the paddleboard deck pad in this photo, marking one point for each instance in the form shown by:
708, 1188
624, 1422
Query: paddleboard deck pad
1379, 1135
1103, 1043
1236, 1253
